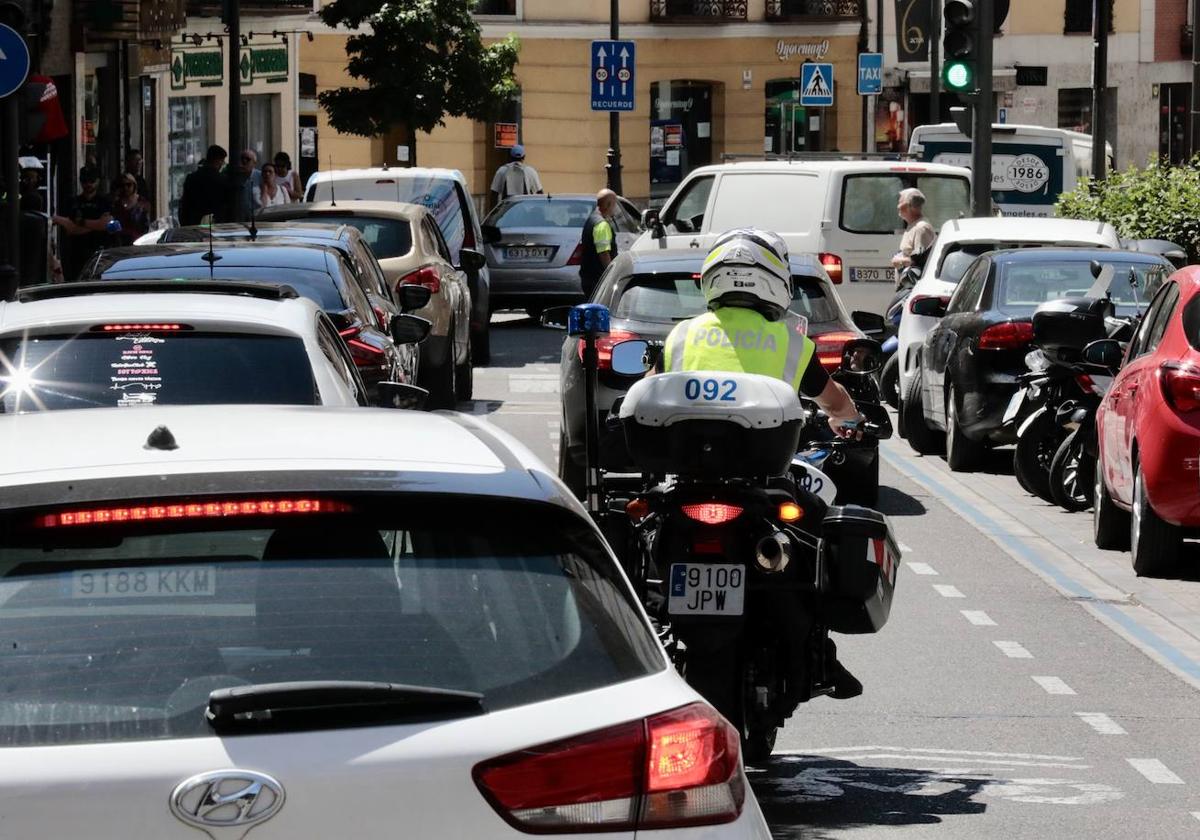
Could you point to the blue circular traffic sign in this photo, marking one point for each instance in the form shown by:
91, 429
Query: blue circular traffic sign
14, 60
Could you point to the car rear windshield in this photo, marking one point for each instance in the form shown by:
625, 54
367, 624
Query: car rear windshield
388, 238
119, 629
317, 286
552, 213
108, 369
665, 298
869, 201
1021, 287
437, 193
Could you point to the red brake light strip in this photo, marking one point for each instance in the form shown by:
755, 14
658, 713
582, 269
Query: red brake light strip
216, 509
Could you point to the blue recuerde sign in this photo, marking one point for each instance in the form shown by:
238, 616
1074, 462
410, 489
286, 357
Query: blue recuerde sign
612, 79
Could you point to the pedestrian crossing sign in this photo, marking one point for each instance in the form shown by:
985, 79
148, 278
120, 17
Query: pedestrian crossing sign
816, 85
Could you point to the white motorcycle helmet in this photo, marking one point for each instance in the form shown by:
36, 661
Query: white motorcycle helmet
749, 268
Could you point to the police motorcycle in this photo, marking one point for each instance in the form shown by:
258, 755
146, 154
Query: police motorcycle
1055, 408
744, 571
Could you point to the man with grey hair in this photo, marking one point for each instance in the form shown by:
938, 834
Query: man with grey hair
918, 234
598, 244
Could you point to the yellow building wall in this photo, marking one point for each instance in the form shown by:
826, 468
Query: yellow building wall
325, 57
1045, 17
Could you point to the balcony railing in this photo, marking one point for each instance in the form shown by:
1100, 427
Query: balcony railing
813, 9
697, 11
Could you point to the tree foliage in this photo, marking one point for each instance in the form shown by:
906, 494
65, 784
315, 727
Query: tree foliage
421, 61
1160, 201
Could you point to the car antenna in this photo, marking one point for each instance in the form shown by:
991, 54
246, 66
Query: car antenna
332, 197
211, 257
253, 226
1133, 284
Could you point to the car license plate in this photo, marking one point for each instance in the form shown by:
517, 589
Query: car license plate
1014, 406
145, 582
871, 275
528, 254
706, 589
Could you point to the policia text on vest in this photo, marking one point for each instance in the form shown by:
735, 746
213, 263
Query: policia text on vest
739, 339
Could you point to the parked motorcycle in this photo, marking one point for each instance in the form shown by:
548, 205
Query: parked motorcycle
889, 374
742, 562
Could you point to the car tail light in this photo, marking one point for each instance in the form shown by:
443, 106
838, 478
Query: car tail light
604, 346
1180, 386
469, 237
576, 255
382, 318
364, 355
675, 769
833, 266
712, 513
427, 276
1011, 335
212, 509
829, 347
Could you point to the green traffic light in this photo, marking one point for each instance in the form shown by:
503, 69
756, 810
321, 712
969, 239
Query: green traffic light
958, 75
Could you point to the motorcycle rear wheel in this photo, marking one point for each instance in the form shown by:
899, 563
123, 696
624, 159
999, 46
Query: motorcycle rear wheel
1071, 474
1034, 454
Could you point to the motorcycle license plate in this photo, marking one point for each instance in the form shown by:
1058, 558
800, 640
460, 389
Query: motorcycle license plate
1014, 406
706, 589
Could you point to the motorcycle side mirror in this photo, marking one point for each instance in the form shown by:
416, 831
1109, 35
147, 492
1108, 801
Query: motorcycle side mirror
862, 355
400, 395
869, 322
556, 317
412, 296
629, 358
409, 329
1106, 353
877, 416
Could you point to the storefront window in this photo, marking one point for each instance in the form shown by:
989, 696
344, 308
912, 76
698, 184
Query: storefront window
789, 127
1174, 102
496, 7
1075, 112
260, 125
189, 134
681, 129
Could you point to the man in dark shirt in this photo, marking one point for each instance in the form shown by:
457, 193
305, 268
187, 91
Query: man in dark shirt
599, 241
85, 222
239, 187
204, 190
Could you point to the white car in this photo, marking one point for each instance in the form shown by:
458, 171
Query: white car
320, 623
957, 245
138, 342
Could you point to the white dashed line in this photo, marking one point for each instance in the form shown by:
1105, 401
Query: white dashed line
947, 591
1155, 771
1105, 725
1053, 685
1013, 650
905, 550
1196, 814
921, 568
978, 617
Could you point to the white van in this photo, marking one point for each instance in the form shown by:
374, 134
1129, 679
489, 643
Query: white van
1031, 165
842, 210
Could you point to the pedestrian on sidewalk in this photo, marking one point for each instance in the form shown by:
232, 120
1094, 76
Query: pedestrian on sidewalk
288, 177
204, 190
918, 233
130, 208
515, 177
133, 166
85, 222
271, 193
599, 241
239, 185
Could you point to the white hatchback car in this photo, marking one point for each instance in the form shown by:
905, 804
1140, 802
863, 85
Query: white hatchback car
139, 342
958, 243
229, 619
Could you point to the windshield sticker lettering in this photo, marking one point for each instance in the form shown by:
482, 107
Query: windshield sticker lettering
136, 374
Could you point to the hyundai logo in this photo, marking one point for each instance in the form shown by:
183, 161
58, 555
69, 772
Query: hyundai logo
234, 800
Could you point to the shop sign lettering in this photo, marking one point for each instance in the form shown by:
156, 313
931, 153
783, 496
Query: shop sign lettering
205, 67
264, 64
801, 49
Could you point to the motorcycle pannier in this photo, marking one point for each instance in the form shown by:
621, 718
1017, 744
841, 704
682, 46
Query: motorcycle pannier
1062, 328
861, 558
712, 424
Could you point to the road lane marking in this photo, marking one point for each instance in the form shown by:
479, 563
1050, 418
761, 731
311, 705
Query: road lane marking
947, 591
1196, 814
1053, 685
1102, 723
920, 568
1155, 771
1013, 650
904, 549
925, 751
978, 617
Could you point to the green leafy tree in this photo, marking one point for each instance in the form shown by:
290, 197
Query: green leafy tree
421, 61
1159, 201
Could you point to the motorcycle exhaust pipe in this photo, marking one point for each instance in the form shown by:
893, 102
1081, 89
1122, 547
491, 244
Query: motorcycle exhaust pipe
774, 551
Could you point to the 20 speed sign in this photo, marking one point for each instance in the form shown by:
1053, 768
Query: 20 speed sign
1028, 173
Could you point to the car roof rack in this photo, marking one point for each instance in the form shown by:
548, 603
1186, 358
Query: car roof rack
264, 291
730, 157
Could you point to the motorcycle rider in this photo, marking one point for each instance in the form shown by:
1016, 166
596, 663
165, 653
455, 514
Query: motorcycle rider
748, 328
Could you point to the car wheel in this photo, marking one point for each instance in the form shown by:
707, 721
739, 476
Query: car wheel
464, 378
481, 346
923, 440
1035, 452
962, 453
1110, 524
442, 390
571, 473
1071, 475
1155, 544
889, 381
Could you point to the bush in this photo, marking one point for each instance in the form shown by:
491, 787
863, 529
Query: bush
1160, 201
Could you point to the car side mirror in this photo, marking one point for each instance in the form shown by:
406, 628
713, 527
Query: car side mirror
878, 417
470, 260
1106, 353
931, 306
409, 329
556, 317
869, 322
629, 357
400, 395
652, 223
862, 355
412, 296
491, 234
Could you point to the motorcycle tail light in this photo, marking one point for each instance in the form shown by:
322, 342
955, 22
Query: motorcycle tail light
712, 513
790, 512
1011, 335
1180, 386
674, 769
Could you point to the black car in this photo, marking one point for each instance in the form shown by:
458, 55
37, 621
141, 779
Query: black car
648, 293
972, 358
317, 272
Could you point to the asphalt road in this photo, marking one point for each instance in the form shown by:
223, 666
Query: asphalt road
1027, 685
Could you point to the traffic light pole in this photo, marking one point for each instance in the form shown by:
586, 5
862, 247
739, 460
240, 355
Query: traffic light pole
614, 119
935, 61
981, 143
234, 25
1100, 22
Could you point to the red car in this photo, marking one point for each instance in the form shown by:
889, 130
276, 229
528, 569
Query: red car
1148, 427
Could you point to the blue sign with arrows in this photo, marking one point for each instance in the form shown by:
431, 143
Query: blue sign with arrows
14, 61
870, 73
613, 75
816, 85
